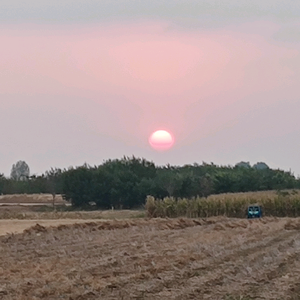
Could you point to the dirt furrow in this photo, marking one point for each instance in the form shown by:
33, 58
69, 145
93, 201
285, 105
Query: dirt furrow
153, 259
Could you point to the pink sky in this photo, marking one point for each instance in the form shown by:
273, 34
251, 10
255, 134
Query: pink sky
84, 93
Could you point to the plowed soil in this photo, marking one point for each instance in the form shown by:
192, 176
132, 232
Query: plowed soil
215, 258
18, 226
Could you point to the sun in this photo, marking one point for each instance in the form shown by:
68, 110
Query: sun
161, 140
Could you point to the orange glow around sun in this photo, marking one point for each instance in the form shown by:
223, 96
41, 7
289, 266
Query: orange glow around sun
161, 140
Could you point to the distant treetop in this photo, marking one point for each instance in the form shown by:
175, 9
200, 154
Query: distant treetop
243, 164
261, 166
20, 171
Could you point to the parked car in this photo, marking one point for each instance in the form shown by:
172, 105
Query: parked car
254, 211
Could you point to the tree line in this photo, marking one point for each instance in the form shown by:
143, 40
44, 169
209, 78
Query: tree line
126, 182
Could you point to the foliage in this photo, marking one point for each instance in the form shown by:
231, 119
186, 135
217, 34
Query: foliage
20, 171
280, 204
260, 166
126, 182
243, 164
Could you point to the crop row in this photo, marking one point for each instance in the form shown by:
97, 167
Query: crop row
286, 204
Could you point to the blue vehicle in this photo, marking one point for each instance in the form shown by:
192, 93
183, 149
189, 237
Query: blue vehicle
254, 211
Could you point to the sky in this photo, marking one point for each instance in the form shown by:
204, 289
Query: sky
86, 81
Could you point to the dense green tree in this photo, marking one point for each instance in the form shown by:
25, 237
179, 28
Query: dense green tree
125, 182
2, 183
78, 187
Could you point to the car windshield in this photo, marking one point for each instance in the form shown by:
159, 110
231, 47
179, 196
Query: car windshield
253, 209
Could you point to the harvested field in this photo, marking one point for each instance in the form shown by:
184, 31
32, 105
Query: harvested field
37, 213
214, 258
18, 226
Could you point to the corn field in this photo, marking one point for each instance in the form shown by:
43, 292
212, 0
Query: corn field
279, 204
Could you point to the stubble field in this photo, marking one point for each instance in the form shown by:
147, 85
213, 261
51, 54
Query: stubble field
213, 258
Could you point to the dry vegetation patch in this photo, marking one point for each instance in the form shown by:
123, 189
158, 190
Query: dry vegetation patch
18, 226
31, 198
274, 203
39, 213
214, 258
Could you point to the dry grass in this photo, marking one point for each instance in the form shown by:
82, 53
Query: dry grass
214, 258
18, 226
283, 204
32, 198
31, 213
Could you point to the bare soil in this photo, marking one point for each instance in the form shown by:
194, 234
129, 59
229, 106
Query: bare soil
18, 226
215, 258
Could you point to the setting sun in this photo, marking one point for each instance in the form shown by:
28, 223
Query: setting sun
161, 140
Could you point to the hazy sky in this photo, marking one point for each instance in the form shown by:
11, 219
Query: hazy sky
85, 81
